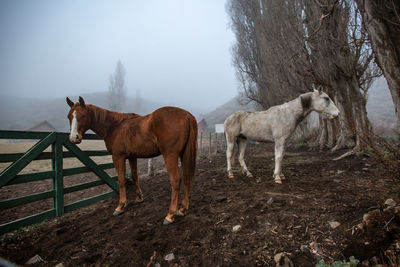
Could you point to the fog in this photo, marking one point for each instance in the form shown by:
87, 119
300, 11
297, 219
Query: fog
175, 52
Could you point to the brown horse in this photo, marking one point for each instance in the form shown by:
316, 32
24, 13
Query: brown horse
169, 131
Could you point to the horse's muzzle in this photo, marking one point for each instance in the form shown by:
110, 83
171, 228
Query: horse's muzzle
75, 139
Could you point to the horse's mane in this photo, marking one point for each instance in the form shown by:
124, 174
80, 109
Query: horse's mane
104, 116
306, 100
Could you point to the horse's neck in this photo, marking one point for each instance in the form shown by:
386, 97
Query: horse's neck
296, 108
300, 112
103, 121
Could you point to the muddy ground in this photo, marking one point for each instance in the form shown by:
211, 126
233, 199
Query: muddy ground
293, 217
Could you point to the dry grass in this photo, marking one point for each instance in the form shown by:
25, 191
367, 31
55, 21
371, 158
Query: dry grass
45, 165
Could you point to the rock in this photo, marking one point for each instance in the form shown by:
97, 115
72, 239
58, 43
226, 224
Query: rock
304, 249
236, 228
334, 224
336, 180
282, 260
317, 257
390, 202
340, 172
331, 172
59, 265
270, 201
34, 260
169, 257
372, 218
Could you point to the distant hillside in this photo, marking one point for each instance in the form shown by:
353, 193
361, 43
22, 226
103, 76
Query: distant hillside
379, 107
221, 113
19, 114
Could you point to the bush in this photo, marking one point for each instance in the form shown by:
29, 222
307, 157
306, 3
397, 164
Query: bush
351, 263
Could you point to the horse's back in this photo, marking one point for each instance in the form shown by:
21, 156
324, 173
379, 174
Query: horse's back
253, 125
172, 127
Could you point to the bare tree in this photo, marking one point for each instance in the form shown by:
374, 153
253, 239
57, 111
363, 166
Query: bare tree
382, 21
116, 88
286, 47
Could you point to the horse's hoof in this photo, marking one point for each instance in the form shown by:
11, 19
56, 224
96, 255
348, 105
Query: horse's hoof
117, 212
231, 176
139, 199
278, 180
180, 213
249, 175
166, 221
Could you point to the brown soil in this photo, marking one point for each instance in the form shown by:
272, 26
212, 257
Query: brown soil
293, 217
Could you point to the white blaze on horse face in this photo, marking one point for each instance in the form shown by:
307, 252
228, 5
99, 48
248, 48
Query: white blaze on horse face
73, 135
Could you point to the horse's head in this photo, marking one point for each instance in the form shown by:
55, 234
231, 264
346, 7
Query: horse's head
323, 104
79, 120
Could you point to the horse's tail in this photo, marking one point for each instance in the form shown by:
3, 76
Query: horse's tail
189, 154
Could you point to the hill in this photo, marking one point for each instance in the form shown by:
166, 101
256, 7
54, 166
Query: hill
219, 115
20, 113
379, 107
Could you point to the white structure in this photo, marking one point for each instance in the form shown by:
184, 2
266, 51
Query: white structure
219, 128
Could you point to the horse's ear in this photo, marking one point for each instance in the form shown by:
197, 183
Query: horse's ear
306, 101
318, 90
69, 102
81, 101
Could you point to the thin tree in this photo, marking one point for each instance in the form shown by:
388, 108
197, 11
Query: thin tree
116, 88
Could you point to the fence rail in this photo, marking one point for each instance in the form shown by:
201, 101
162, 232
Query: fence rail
57, 141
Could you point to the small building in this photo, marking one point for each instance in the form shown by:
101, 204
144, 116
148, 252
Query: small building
43, 126
201, 125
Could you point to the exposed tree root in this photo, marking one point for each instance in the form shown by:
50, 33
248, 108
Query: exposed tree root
349, 153
356, 150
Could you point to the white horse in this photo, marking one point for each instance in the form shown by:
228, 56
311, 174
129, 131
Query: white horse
276, 124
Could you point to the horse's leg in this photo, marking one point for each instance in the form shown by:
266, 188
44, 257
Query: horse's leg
171, 164
135, 179
185, 201
230, 144
119, 163
242, 147
279, 152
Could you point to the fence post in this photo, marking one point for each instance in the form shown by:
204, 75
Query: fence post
201, 143
216, 143
150, 167
209, 148
58, 182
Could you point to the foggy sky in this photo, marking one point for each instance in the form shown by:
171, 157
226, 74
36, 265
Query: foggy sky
175, 51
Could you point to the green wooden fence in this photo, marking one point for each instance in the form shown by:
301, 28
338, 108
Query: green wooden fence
57, 141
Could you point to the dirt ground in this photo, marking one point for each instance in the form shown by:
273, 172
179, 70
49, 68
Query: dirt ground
231, 222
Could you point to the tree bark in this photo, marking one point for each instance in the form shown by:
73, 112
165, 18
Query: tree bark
382, 22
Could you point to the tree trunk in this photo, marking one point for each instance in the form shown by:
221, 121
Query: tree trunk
323, 135
381, 20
